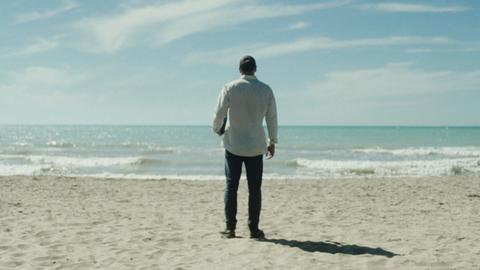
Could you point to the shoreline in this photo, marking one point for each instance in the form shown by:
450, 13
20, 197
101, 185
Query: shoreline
221, 178
372, 223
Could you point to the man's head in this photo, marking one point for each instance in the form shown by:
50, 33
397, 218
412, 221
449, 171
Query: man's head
247, 65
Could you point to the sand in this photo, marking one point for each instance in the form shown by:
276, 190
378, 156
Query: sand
85, 223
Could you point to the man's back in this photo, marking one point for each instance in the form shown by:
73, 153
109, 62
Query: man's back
247, 101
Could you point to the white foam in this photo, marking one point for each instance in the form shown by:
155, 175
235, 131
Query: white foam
22, 144
441, 167
299, 168
9, 170
424, 151
60, 144
64, 161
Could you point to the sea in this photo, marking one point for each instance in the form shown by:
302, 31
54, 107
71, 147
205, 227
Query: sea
196, 153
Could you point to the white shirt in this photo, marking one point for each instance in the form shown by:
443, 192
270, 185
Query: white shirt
246, 101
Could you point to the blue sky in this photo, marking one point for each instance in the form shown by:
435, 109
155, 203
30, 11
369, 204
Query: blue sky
164, 62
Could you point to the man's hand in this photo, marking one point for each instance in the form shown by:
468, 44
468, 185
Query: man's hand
270, 151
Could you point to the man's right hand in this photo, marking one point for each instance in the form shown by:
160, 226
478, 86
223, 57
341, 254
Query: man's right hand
270, 151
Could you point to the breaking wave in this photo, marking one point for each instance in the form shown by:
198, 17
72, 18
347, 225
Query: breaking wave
441, 167
424, 151
60, 144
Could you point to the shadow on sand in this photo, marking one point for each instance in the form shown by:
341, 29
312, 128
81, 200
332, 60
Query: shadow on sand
331, 247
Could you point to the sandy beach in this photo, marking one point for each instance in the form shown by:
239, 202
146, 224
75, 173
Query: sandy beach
87, 223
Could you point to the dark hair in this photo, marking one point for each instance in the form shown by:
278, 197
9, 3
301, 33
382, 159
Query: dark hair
247, 64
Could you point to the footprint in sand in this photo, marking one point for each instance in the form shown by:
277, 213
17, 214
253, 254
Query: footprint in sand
16, 255
22, 246
48, 258
41, 233
13, 264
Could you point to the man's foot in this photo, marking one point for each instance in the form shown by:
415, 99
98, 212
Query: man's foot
257, 234
228, 233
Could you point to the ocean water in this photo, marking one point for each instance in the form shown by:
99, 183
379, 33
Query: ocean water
195, 153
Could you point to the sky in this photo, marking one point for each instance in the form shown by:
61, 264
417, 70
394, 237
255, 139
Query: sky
332, 62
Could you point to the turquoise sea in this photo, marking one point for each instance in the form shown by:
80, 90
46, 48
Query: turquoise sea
195, 152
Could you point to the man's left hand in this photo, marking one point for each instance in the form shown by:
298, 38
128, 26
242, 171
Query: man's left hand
270, 151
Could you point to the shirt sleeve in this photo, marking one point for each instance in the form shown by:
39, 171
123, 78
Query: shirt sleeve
272, 122
220, 111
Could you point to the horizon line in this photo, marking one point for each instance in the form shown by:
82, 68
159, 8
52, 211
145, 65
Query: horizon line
288, 125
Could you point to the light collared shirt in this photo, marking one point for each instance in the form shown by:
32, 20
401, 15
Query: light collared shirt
246, 102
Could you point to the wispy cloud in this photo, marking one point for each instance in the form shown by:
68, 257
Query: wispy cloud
230, 55
394, 79
40, 84
65, 6
298, 25
37, 46
163, 23
418, 50
405, 7
45, 77
472, 49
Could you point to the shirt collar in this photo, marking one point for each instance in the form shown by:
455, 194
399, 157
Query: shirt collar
247, 77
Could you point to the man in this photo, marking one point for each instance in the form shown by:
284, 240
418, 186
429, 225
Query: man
245, 102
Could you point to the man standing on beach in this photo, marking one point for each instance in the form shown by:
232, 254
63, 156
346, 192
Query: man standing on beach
245, 102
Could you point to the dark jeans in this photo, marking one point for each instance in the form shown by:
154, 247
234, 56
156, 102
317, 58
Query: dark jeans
233, 170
